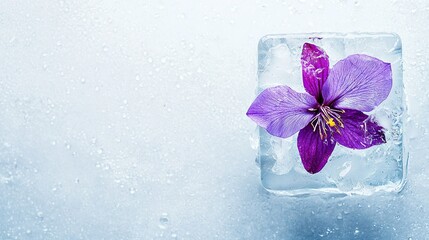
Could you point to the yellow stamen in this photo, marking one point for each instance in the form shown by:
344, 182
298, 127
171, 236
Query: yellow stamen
331, 122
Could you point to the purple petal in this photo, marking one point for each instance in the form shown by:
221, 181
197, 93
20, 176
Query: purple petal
282, 111
358, 82
359, 131
313, 150
315, 69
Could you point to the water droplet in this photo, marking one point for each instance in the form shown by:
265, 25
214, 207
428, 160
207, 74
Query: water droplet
163, 221
340, 216
40, 215
82, 80
12, 39
357, 231
149, 60
132, 190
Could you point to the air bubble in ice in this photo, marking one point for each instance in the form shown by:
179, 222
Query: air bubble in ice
347, 166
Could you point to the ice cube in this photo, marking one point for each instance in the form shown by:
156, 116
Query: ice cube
379, 168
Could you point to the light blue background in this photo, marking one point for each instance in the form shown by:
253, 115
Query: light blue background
114, 114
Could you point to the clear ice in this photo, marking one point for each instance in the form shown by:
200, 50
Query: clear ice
379, 168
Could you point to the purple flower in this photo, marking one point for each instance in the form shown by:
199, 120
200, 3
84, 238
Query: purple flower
332, 111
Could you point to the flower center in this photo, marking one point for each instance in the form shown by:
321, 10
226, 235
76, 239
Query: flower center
326, 119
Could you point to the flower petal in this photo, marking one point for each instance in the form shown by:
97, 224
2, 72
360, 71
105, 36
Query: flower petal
315, 69
282, 111
358, 82
359, 131
314, 151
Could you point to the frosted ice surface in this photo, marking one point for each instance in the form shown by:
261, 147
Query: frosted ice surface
126, 120
380, 168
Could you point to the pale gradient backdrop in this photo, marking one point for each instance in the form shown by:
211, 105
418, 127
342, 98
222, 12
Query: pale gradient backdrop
126, 120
